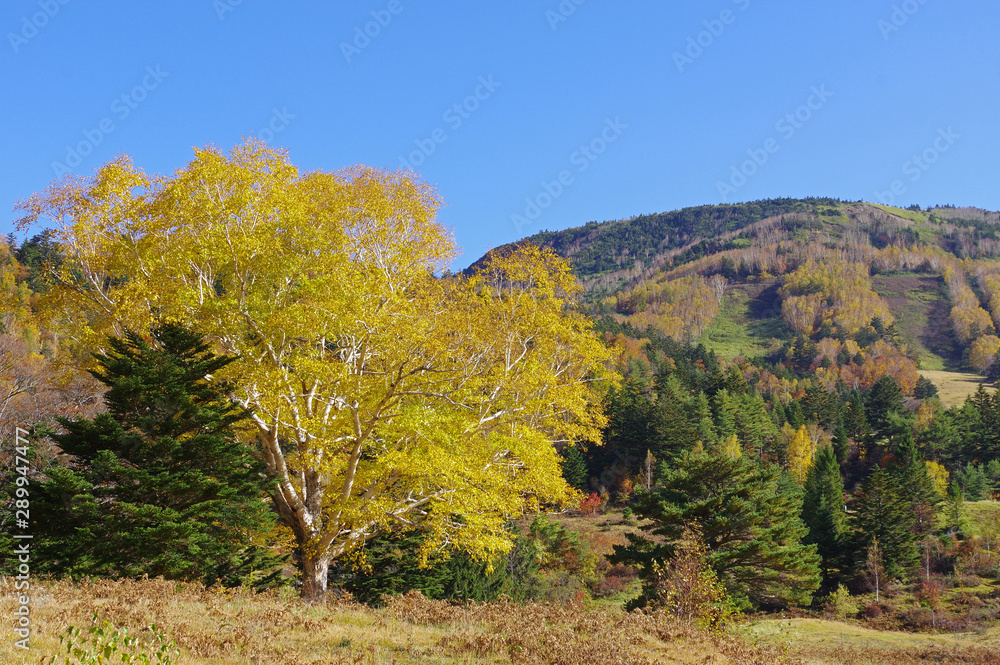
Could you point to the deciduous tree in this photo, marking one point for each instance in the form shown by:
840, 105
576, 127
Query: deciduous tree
377, 389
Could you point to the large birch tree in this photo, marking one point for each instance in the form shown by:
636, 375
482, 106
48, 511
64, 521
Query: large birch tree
385, 393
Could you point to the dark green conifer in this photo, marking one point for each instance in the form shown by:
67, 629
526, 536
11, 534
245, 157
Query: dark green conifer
841, 443
882, 512
823, 512
159, 484
751, 524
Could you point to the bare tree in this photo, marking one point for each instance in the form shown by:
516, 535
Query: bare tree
874, 568
718, 284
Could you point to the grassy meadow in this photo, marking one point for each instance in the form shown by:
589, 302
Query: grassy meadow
238, 628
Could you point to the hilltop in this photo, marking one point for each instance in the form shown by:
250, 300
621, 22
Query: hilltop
740, 278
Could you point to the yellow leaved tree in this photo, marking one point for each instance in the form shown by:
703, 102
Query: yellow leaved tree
383, 394
801, 450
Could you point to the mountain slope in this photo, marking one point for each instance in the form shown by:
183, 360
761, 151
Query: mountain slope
746, 278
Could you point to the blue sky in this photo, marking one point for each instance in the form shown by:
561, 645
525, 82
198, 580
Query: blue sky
524, 115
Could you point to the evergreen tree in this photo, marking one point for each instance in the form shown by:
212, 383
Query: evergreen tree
701, 417
925, 388
723, 415
796, 417
910, 472
841, 443
391, 566
750, 523
882, 512
574, 467
856, 420
884, 398
159, 484
753, 425
823, 512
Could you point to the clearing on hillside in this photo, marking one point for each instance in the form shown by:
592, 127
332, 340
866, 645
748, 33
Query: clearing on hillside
749, 317
921, 311
953, 387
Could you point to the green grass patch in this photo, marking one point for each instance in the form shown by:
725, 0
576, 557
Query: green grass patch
912, 215
737, 330
981, 518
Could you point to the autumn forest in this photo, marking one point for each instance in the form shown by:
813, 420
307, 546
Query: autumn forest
256, 380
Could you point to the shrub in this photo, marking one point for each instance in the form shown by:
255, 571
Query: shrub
591, 505
873, 611
106, 643
840, 604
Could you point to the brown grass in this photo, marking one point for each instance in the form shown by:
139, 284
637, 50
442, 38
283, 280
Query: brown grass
240, 628
823, 642
953, 387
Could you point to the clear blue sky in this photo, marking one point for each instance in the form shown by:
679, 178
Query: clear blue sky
666, 122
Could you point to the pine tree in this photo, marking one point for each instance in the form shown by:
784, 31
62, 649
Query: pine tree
750, 523
159, 484
882, 512
823, 512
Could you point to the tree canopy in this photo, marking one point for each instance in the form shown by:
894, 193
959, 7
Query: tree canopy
378, 388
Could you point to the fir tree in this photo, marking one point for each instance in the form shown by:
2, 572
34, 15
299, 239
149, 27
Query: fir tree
914, 480
753, 425
882, 512
856, 420
750, 523
841, 443
724, 415
823, 512
884, 399
159, 484
574, 467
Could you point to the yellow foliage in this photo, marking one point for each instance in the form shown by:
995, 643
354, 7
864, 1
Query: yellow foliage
801, 450
983, 352
831, 291
680, 308
730, 447
378, 390
939, 478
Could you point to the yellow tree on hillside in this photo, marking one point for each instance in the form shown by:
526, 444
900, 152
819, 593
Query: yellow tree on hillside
382, 395
801, 450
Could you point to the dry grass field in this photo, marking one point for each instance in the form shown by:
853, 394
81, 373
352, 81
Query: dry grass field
953, 387
823, 642
237, 628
